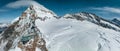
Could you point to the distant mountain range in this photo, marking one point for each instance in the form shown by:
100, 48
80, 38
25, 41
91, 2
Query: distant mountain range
116, 21
3, 26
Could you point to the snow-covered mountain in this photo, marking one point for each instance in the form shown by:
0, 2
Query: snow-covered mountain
116, 21
94, 19
39, 29
3, 27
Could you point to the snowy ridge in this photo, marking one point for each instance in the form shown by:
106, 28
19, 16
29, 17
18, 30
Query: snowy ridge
94, 19
60, 36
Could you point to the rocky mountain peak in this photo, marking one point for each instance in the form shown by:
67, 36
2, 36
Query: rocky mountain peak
23, 33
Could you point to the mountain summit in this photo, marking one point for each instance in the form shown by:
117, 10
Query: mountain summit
38, 29
23, 33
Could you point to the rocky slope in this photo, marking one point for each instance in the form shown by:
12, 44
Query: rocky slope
23, 33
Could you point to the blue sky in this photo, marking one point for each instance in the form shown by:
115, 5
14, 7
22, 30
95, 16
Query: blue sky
10, 9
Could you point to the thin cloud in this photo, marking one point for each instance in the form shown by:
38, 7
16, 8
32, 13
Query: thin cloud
21, 3
109, 9
18, 4
3, 10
